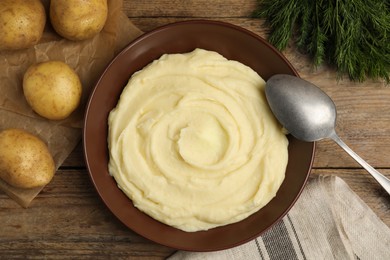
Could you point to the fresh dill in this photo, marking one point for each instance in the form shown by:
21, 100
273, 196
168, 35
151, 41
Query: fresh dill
352, 35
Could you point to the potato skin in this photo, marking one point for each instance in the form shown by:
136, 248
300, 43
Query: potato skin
25, 161
78, 19
21, 23
52, 89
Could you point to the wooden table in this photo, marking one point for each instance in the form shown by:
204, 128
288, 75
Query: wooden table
68, 220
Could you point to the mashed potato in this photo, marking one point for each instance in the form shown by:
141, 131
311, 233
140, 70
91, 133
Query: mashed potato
193, 142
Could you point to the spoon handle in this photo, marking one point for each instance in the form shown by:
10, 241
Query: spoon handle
381, 179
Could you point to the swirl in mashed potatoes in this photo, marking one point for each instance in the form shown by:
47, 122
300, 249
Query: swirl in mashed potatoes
193, 142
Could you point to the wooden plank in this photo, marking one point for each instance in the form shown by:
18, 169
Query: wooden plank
150, 23
68, 220
189, 8
363, 123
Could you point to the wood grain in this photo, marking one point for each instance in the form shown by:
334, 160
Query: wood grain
68, 220
189, 8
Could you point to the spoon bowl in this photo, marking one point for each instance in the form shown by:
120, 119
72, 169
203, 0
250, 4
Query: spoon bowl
309, 114
302, 108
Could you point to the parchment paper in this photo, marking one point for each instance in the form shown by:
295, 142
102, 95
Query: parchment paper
89, 58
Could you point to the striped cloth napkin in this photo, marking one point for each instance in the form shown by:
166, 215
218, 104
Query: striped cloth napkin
329, 221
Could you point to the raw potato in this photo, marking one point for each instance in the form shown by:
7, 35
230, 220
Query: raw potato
52, 89
78, 19
25, 161
21, 23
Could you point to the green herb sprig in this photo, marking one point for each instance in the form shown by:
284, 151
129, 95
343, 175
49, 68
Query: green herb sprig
352, 35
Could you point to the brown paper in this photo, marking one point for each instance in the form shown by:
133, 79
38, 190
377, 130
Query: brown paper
89, 58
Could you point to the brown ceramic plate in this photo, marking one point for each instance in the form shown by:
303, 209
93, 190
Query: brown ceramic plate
232, 42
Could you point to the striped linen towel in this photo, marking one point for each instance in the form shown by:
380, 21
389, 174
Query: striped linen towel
329, 221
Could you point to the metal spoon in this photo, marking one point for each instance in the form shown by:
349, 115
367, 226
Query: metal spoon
309, 114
